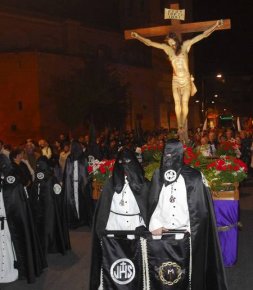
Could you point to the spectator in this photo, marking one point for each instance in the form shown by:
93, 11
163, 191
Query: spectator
64, 155
3, 150
204, 147
45, 149
245, 148
30, 153
20, 167
213, 143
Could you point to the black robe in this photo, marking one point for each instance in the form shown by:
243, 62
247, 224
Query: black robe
84, 193
207, 265
101, 217
29, 255
47, 205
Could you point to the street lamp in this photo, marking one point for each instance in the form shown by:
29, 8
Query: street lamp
219, 77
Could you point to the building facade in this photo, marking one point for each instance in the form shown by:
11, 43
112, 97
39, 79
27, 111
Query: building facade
35, 49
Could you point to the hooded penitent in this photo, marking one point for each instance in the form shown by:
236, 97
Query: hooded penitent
172, 161
77, 188
193, 196
7, 255
29, 257
129, 184
48, 209
127, 165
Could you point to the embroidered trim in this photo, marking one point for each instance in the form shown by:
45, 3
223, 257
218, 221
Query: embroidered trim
26, 192
76, 189
190, 264
146, 278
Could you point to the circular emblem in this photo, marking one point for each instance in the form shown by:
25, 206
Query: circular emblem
57, 188
122, 271
10, 179
170, 273
170, 175
40, 175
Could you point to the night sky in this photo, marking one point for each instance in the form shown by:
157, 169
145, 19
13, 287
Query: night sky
228, 51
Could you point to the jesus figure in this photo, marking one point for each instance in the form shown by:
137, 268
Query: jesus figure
182, 81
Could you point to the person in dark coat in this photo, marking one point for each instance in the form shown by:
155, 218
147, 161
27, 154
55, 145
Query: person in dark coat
77, 188
179, 199
29, 258
122, 206
20, 167
46, 198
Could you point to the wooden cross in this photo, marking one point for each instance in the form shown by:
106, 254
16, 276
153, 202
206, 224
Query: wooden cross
177, 27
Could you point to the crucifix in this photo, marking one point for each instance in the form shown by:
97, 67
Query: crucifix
177, 52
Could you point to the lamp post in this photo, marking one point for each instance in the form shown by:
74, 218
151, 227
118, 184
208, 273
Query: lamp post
218, 76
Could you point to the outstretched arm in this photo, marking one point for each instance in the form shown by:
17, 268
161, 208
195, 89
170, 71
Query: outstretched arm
204, 34
147, 41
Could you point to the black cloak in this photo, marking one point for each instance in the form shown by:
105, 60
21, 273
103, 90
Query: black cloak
207, 265
85, 204
125, 164
47, 205
30, 260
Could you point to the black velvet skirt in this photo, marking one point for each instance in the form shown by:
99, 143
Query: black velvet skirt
144, 263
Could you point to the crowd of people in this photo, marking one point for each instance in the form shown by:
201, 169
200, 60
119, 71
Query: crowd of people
106, 144
55, 189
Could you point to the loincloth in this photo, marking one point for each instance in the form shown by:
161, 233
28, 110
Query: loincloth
181, 83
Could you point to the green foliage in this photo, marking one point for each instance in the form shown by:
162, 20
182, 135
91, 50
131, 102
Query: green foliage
151, 153
152, 156
150, 168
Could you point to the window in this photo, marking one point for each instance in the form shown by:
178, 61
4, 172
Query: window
20, 105
13, 127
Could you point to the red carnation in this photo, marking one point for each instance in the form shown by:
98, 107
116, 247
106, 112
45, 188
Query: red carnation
197, 163
102, 169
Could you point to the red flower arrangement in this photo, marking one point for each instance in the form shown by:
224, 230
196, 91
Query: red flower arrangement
223, 169
101, 170
228, 163
152, 148
193, 158
226, 169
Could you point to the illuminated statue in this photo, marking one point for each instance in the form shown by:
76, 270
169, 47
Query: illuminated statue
182, 81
